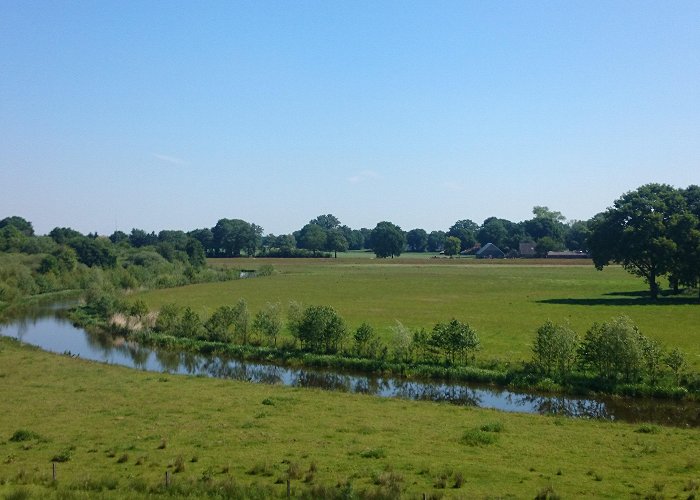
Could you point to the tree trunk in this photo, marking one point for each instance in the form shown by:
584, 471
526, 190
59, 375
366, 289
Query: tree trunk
673, 282
653, 285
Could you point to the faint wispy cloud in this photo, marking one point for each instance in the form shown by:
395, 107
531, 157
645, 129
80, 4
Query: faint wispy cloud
453, 186
362, 176
169, 159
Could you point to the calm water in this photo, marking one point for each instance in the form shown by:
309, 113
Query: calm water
43, 328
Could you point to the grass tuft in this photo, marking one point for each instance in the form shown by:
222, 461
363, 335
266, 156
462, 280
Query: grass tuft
373, 453
62, 456
648, 429
492, 427
477, 437
179, 465
24, 435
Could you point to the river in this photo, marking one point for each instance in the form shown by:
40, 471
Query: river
45, 328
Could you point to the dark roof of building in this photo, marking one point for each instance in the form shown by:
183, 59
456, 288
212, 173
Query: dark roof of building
490, 249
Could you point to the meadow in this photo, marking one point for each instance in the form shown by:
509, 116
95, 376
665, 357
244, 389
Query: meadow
113, 432
505, 301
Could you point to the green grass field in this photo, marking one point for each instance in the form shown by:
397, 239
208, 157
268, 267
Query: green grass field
119, 430
504, 300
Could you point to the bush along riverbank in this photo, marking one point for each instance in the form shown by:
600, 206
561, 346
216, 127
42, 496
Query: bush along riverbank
613, 357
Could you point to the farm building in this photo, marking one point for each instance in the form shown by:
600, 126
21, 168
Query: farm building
527, 249
490, 251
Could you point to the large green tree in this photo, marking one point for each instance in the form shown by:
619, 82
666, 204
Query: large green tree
19, 223
328, 221
336, 242
493, 231
545, 222
417, 240
387, 240
452, 245
465, 230
231, 236
312, 237
321, 329
436, 241
638, 232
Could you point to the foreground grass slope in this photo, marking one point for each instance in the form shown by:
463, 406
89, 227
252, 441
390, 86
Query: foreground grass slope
506, 301
119, 430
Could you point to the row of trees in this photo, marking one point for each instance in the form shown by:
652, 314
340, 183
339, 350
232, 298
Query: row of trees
614, 350
547, 228
653, 231
325, 233
317, 329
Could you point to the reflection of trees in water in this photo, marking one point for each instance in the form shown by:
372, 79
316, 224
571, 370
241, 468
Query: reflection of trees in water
323, 380
190, 362
168, 361
105, 344
235, 370
455, 394
23, 327
35, 312
550, 405
369, 385
682, 413
138, 354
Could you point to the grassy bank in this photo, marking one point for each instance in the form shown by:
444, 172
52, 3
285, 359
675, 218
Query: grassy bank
115, 432
505, 301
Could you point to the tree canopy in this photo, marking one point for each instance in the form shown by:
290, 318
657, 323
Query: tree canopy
387, 240
650, 232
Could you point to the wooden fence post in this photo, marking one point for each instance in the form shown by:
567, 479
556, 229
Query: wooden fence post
289, 489
167, 478
53, 470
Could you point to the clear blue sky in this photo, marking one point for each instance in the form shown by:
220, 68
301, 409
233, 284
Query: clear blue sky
172, 115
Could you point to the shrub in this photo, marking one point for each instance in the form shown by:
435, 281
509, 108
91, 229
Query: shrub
362, 337
190, 325
492, 427
648, 429
613, 349
62, 456
219, 324
455, 339
675, 360
373, 453
24, 435
269, 322
266, 270
477, 437
321, 329
554, 349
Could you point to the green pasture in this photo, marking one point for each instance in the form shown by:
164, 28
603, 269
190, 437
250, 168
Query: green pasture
114, 433
504, 300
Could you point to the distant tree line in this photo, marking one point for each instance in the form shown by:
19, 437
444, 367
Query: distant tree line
322, 235
66, 259
652, 232
325, 235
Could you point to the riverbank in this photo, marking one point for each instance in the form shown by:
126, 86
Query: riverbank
120, 430
512, 376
